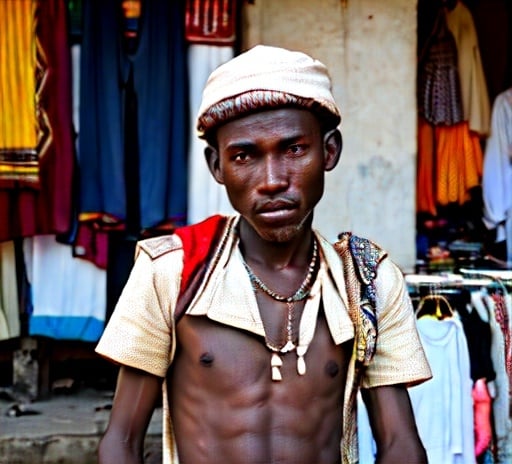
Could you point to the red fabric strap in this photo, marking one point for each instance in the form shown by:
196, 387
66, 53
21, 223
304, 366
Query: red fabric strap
197, 240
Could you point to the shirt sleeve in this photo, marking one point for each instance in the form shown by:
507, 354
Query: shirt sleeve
140, 331
399, 357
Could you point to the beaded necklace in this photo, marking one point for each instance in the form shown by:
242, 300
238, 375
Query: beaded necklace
301, 293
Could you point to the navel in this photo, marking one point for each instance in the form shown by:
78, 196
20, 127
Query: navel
332, 369
206, 359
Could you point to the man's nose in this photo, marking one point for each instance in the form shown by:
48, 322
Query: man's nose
275, 173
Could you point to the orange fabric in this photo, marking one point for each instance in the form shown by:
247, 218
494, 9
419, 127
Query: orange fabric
425, 195
459, 161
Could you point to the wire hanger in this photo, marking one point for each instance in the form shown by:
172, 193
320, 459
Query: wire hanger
437, 302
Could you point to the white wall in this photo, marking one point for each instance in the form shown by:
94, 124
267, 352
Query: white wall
370, 48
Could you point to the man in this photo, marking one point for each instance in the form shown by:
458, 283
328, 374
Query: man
261, 367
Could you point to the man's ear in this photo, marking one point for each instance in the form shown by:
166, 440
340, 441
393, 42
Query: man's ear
212, 158
333, 144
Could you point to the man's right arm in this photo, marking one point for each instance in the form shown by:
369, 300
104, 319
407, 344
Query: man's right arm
136, 396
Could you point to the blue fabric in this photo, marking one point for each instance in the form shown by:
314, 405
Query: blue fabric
159, 69
87, 329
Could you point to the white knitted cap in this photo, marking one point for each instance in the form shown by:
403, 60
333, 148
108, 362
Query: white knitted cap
265, 77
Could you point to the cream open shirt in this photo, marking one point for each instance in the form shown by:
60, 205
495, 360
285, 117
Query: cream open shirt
140, 332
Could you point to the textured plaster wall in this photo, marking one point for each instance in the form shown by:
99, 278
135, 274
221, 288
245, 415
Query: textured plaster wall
370, 49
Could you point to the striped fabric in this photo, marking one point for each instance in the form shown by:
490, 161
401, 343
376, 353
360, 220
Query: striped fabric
18, 124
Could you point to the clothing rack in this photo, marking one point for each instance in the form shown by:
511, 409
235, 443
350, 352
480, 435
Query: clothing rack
466, 278
456, 288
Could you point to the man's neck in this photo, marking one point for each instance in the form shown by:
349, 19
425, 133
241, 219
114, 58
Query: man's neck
276, 255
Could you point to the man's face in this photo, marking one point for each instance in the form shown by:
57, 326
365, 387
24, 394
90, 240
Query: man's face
272, 164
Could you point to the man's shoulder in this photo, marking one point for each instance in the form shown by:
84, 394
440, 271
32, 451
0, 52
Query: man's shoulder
193, 239
366, 253
155, 247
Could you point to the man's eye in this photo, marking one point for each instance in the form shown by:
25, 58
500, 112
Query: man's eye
296, 149
242, 156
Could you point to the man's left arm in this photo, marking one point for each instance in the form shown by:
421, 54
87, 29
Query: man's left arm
393, 425
399, 362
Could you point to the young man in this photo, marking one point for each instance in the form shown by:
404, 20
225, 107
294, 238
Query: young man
262, 367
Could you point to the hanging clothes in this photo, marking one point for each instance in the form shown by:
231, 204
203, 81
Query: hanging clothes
438, 91
475, 321
450, 157
425, 191
9, 299
450, 164
443, 406
47, 208
459, 161
482, 407
501, 314
68, 294
501, 392
452, 97
475, 97
18, 130
497, 172
157, 64
88, 241
205, 195
210, 31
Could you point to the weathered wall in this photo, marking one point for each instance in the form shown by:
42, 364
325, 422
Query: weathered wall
370, 49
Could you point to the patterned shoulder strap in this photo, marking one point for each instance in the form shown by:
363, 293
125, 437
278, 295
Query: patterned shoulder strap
360, 258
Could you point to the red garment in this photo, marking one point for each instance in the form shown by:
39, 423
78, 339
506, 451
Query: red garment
91, 244
482, 416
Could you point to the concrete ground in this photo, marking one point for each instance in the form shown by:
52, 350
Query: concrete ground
65, 428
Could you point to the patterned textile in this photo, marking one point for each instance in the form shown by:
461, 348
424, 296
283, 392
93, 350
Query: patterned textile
18, 129
48, 208
211, 22
439, 95
365, 336
502, 318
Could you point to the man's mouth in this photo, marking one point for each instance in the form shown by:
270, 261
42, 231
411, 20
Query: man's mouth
276, 209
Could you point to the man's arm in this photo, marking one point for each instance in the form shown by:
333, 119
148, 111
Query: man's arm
137, 393
393, 425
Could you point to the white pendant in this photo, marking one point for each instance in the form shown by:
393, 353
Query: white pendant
276, 374
276, 363
290, 346
301, 363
